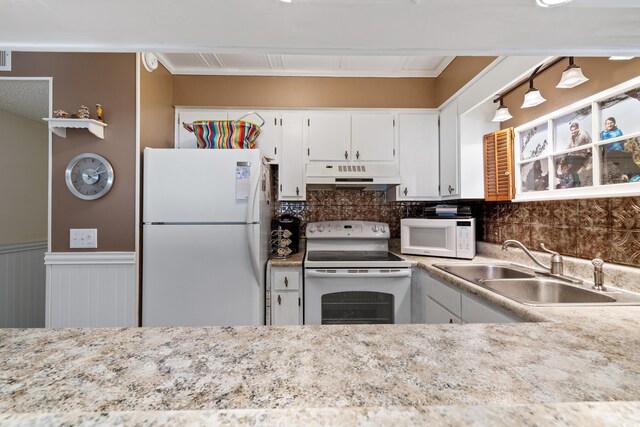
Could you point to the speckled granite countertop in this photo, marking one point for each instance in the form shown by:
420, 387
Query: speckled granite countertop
294, 260
544, 372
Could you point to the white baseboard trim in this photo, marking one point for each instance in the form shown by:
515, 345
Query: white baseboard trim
19, 247
84, 258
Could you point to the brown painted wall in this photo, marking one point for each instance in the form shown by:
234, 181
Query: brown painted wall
79, 78
303, 92
458, 73
602, 73
326, 92
156, 109
24, 172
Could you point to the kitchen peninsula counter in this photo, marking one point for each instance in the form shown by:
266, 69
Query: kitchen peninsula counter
574, 365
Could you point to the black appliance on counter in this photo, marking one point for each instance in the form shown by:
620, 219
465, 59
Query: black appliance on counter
292, 224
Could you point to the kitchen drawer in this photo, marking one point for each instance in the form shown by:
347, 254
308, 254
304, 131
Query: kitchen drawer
447, 297
286, 279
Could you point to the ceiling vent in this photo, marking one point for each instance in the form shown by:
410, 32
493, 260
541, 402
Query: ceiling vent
5, 60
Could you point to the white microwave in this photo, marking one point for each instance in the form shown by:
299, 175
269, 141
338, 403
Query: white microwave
450, 237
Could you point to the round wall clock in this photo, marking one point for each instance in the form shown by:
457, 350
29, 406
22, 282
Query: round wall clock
89, 176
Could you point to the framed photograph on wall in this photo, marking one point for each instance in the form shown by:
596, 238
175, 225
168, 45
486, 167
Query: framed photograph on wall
534, 141
573, 129
535, 175
620, 166
620, 114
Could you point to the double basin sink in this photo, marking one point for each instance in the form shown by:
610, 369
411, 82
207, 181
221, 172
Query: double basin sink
531, 287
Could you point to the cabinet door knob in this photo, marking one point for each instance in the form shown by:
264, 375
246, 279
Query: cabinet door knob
450, 320
506, 173
346, 155
297, 191
405, 191
286, 282
357, 154
279, 300
451, 189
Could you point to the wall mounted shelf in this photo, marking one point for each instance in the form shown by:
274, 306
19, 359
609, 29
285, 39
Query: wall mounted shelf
59, 126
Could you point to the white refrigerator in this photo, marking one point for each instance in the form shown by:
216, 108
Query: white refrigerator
206, 226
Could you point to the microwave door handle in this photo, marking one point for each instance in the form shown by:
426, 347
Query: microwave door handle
375, 274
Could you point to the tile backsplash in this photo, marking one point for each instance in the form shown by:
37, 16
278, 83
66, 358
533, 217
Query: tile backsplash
588, 228
360, 205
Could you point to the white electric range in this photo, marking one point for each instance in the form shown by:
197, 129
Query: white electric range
351, 277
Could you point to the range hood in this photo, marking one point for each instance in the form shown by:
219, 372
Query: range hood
336, 176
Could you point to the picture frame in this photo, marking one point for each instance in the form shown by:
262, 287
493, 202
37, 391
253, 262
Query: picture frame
574, 129
534, 141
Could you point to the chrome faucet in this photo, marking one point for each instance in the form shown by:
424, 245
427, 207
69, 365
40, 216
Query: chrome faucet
598, 275
556, 259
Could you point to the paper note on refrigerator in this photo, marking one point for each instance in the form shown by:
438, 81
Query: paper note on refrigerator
243, 180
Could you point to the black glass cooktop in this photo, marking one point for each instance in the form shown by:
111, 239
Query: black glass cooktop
352, 256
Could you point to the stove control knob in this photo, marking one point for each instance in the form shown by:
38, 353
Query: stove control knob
375, 228
321, 228
312, 229
383, 229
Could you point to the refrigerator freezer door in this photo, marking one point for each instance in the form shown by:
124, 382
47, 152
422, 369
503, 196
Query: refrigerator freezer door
200, 275
201, 186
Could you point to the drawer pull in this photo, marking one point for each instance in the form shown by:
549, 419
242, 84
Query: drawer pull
279, 300
286, 282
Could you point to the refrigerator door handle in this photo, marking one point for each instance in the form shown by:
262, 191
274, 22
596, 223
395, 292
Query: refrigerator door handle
250, 237
251, 203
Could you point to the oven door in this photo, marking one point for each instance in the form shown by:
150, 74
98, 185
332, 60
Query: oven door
357, 296
431, 237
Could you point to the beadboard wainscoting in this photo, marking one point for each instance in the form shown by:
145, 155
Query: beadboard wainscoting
92, 289
22, 285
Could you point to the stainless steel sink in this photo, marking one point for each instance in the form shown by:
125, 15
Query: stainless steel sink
477, 272
531, 287
545, 292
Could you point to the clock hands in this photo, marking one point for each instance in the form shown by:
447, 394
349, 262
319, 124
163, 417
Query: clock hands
102, 171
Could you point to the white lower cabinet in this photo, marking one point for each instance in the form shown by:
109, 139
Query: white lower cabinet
284, 291
435, 313
477, 312
443, 303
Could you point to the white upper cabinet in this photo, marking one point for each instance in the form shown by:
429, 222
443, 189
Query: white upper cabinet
328, 136
268, 141
418, 153
449, 185
372, 137
291, 170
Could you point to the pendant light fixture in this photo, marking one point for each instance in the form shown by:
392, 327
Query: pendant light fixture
532, 97
572, 76
502, 113
551, 3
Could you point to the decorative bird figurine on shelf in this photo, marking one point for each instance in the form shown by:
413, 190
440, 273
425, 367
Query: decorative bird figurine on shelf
99, 111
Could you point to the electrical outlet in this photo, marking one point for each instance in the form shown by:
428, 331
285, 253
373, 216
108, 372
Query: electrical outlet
83, 238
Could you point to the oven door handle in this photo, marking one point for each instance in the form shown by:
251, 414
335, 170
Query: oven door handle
359, 273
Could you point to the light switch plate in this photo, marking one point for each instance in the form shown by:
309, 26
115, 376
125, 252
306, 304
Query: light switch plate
83, 238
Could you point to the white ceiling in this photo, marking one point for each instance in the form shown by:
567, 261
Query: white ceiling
321, 36
26, 98
304, 65
309, 37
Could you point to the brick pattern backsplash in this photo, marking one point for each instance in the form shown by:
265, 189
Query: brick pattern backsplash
587, 228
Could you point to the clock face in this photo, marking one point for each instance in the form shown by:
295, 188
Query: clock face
89, 176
